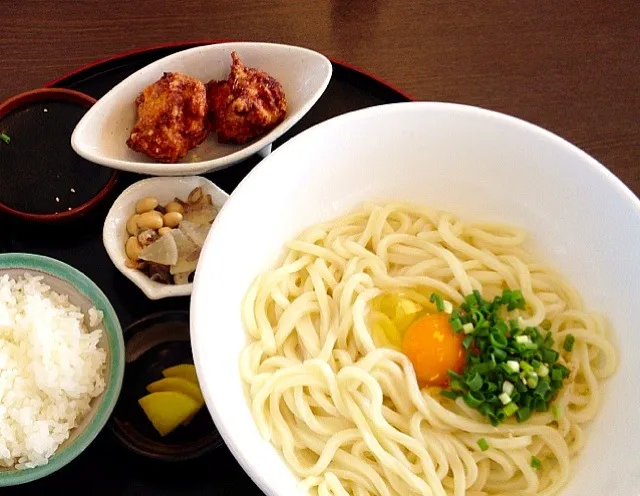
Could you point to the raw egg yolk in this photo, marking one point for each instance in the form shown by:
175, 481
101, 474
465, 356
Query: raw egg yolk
433, 348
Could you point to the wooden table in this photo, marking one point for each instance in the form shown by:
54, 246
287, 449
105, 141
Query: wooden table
572, 67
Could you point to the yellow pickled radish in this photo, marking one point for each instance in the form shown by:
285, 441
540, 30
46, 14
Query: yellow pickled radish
168, 409
185, 371
178, 385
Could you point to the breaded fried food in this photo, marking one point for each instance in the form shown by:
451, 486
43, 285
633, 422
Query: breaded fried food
248, 104
172, 117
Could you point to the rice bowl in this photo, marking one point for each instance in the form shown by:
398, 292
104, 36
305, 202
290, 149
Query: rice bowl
51, 369
62, 360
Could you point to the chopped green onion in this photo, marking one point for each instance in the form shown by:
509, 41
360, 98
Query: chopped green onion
498, 339
491, 388
501, 327
454, 375
447, 306
500, 355
4, 137
483, 368
456, 323
543, 370
457, 385
568, 342
548, 355
540, 405
467, 341
437, 299
470, 301
526, 367
513, 299
475, 383
507, 388
513, 366
449, 394
557, 413
532, 380
541, 388
521, 387
473, 398
510, 409
509, 367
546, 324
477, 317
523, 414
482, 443
478, 296
536, 463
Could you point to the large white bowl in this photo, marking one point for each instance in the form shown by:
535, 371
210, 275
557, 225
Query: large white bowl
477, 163
101, 134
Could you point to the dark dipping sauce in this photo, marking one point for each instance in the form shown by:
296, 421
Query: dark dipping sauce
39, 171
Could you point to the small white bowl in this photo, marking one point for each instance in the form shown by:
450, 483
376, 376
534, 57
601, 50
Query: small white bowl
114, 232
101, 134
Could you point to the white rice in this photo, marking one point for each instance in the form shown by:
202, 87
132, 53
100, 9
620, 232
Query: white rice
50, 369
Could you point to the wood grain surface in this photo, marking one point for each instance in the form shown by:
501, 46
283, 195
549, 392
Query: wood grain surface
570, 66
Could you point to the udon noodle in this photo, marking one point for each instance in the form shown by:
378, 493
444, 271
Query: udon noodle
349, 418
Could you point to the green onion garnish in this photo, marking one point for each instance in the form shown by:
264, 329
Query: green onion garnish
510, 409
456, 323
548, 355
536, 463
483, 444
4, 137
510, 369
449, 394
474, 399
523, 414
437, 299
498, 339
475, 383
568, 342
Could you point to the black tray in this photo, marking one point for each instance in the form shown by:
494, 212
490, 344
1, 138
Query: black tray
107, 468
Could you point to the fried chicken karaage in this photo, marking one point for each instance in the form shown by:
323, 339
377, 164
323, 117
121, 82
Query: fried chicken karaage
248, 104
172, 117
